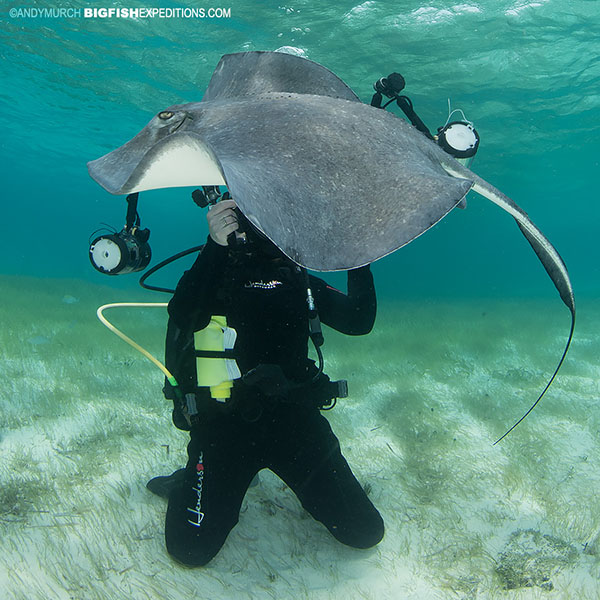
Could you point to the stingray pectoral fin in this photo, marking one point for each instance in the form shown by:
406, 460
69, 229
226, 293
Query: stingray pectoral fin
176, 161
247, 74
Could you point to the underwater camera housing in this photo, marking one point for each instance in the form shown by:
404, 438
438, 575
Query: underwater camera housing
124, 252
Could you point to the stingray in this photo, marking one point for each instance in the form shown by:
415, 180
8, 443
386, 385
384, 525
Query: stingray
334, 183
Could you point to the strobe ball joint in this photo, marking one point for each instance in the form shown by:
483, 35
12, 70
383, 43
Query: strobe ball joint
390, 86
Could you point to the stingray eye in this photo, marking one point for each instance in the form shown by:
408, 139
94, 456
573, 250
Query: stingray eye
165, 115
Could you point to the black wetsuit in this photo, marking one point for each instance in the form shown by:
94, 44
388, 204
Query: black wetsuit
264, 300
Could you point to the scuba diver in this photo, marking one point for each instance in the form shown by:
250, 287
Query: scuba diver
250, 299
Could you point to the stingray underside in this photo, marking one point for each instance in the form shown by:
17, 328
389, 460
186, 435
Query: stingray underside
174, 161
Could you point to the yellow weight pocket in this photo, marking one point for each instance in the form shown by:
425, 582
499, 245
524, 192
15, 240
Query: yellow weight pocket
215, 365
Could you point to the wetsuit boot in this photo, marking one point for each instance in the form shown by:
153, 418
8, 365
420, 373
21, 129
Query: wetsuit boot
164, 485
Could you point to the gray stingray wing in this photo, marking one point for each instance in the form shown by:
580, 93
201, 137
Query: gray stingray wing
161, 155
253, 73
114, 170
318, 176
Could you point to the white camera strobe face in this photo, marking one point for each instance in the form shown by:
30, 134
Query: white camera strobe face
119, 253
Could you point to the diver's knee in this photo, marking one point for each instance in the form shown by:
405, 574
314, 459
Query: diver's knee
372, 536
368, 534
192, 557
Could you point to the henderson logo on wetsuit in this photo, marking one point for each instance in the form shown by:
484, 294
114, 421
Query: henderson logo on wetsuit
197, 510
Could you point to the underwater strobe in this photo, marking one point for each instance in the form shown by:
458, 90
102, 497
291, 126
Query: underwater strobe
457, 138
126, 251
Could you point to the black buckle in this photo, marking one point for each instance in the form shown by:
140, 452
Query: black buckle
342, 388
336, 389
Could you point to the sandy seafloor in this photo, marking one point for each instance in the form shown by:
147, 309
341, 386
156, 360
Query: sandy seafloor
83, 425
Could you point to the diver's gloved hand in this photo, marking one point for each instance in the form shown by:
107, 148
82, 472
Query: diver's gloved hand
222, 221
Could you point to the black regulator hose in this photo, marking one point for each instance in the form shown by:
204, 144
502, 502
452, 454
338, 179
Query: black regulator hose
162, 264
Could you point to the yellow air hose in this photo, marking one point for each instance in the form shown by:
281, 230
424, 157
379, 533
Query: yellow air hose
127, 339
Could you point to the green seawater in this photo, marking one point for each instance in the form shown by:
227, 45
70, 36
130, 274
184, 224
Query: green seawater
469, 326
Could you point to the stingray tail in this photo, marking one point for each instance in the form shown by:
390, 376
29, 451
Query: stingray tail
568, 299
560, 362
548, 255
